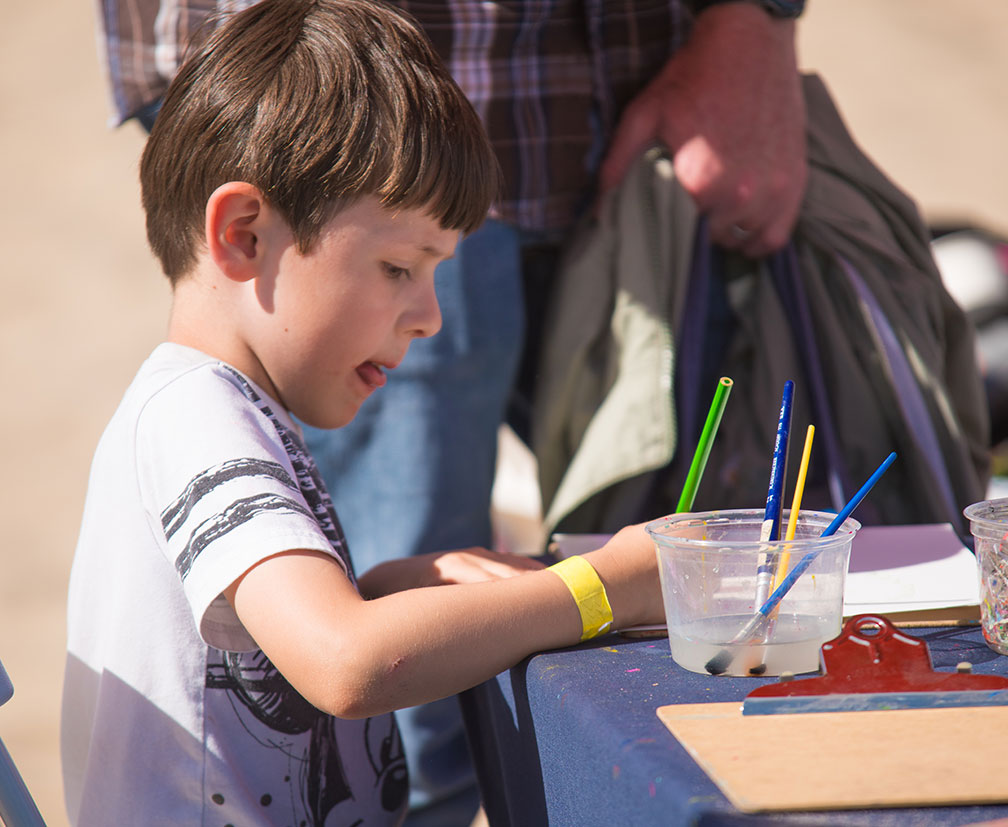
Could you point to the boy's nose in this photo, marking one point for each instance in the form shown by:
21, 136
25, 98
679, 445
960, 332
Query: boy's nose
424, 317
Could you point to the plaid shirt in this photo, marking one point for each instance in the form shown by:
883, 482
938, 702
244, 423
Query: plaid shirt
548, 77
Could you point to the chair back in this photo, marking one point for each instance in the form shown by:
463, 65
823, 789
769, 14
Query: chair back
17, 807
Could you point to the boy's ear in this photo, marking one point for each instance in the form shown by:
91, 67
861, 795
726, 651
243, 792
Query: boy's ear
235, 216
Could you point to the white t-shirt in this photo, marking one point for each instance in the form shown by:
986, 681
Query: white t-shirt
171, 713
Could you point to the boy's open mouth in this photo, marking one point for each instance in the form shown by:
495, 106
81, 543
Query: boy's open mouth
372, 374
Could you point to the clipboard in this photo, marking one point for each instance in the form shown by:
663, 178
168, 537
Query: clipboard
846, 760
865, 757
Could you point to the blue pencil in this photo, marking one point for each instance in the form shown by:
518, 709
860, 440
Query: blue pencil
770, 530
721, 661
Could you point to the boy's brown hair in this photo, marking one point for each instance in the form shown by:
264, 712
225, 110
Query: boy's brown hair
315, 103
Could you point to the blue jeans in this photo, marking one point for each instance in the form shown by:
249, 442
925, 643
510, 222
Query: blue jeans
413, 472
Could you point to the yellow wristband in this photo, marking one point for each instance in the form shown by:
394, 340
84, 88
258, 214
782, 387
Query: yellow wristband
588, 592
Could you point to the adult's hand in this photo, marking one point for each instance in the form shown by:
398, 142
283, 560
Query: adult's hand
729, 108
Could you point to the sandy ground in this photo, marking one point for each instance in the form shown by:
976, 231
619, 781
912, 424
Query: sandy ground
920, 82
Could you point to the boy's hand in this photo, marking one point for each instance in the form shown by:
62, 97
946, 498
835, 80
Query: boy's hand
469, 565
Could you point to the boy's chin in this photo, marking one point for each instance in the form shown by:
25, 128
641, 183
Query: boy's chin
330, 420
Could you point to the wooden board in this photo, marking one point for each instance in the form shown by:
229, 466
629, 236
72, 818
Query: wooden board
949, 616
847, 760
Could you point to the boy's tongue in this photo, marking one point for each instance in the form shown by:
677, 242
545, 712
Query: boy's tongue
371, 374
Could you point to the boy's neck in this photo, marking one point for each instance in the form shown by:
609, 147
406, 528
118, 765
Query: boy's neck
206, 314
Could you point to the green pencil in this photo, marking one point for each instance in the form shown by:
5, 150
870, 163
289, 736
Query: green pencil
704, 445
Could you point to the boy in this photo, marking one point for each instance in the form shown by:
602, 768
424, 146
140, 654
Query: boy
311, 165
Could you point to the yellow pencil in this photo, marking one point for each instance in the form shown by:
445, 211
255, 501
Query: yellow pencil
782, 566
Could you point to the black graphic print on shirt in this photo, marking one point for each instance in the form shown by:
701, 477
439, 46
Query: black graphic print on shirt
309, 480
273, 714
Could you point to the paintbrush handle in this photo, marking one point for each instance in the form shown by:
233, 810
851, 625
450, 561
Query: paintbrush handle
770, 530
838, 521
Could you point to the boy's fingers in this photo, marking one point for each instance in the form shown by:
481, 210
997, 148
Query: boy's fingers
477, 565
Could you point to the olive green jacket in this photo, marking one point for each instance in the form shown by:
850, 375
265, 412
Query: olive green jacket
882, 358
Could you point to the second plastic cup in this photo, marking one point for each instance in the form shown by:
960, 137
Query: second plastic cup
989, 526
708, 565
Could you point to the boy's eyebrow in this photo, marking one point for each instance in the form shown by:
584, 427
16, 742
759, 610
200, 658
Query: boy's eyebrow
435, 252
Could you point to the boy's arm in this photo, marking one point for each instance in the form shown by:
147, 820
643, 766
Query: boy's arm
354, 658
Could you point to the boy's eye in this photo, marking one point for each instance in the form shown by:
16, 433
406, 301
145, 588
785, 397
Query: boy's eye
395, 272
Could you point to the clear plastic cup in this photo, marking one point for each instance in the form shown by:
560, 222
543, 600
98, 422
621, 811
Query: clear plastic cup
709, 562
989, 527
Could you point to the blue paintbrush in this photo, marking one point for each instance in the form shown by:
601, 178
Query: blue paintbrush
722, 660
770, 530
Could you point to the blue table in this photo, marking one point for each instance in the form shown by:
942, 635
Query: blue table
571, 737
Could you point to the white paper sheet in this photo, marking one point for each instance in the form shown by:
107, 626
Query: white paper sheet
908, 568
